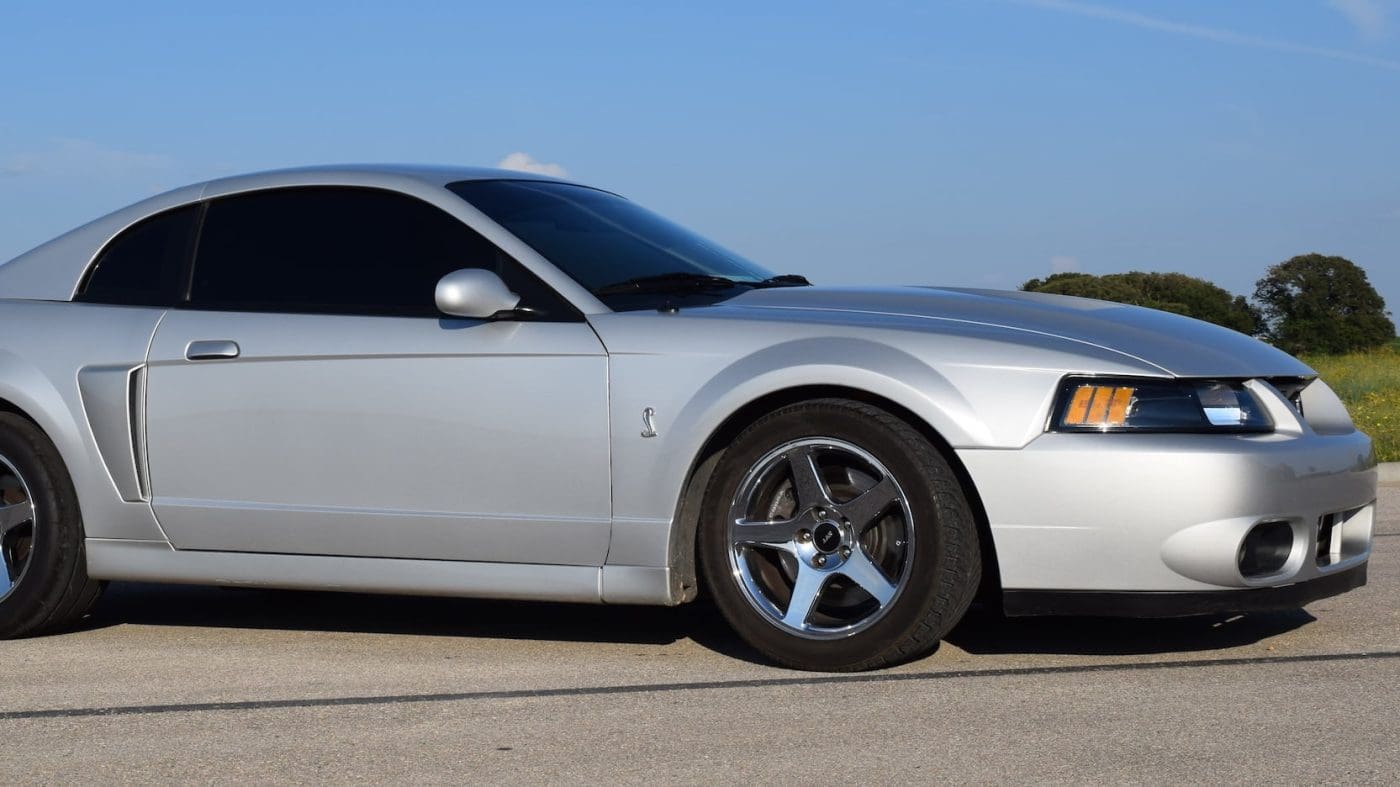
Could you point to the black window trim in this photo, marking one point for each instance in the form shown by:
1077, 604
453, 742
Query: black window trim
187, 272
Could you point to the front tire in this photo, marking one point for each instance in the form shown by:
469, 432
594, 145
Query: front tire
44, 584
836, 537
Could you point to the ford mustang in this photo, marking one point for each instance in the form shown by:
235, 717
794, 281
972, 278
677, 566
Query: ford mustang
483, 383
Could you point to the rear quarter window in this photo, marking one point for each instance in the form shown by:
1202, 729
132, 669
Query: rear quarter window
144, 265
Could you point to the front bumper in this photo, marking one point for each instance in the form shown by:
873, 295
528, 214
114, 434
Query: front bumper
1123, 514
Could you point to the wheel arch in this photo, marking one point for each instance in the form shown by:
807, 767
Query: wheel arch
6, 406
688, 507
25, 391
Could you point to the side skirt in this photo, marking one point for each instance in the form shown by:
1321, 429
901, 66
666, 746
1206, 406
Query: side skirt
157, 561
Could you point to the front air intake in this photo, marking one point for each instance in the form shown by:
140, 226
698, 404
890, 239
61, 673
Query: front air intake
1265, 549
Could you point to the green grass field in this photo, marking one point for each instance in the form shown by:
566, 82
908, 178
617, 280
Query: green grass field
1369, 383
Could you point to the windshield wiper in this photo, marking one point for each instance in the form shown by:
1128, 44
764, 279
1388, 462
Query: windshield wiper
678, 281
785, 280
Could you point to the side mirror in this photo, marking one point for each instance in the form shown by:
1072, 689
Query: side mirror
475, 293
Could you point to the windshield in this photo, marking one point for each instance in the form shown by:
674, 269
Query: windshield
607, 243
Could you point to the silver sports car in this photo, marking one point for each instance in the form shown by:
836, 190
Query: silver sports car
484, 383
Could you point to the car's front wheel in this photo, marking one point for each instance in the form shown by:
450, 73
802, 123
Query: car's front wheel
836, 537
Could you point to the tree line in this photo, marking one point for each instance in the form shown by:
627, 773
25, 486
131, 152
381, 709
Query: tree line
1311, 303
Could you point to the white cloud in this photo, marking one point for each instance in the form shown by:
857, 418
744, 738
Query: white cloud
82, 158
524, 162
1218, 35
1064, 264
1369, 17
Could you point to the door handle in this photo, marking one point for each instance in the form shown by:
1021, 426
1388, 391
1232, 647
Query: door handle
211, 350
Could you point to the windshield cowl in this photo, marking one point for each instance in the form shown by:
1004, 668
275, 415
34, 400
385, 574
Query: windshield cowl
678, 281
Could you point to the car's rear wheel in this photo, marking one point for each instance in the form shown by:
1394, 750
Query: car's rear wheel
44, 584
836, 537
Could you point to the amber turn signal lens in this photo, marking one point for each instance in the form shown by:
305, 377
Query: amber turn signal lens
1099, 406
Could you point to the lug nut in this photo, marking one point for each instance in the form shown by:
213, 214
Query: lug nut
804, 535
845, 552
821, 513
819, 561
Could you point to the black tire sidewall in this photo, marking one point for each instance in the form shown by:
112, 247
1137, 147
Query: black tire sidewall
907, 456
57, 545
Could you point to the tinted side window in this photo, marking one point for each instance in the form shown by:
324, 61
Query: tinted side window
342, 251
144, 265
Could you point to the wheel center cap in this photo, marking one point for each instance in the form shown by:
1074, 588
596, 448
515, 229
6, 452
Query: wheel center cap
826, 537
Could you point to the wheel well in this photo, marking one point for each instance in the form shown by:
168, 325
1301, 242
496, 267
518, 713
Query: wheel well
9, 407
683, 547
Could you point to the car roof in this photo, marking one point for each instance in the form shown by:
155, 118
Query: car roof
351, 174
51, 271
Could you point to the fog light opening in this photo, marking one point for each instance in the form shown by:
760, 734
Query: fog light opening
1265, 549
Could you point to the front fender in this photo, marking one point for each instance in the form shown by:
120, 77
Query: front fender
692, 396
868, 366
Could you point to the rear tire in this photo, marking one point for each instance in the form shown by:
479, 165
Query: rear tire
864, 562
44, 584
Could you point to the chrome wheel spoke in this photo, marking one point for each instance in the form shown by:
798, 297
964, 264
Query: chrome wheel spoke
749, 533
805, 592
807, 484
790, 539
861, 570
16, 510
867, 507
12, 515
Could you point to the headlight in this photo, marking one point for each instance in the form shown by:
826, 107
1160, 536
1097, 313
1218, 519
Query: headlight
1095, 404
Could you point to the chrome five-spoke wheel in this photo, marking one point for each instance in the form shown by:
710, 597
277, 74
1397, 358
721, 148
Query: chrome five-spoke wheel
820, 537
16, 527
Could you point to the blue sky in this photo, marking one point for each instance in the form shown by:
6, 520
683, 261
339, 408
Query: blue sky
961, 142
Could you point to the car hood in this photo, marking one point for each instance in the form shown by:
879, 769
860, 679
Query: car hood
1177, 345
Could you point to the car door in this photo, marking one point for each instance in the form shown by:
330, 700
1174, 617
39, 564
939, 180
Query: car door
309, 399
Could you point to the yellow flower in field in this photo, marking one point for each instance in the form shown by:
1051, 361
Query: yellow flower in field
1369, 385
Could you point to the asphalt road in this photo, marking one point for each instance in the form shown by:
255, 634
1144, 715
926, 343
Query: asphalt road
208, 685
